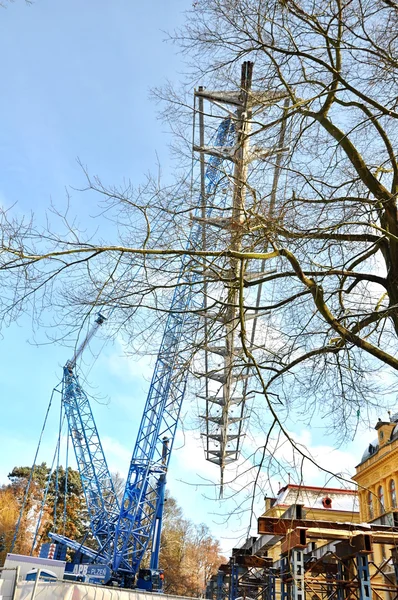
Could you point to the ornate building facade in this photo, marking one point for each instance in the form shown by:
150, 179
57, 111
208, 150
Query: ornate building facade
377, 475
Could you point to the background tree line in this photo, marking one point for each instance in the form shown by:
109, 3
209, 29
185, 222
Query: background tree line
189, 553
57, 511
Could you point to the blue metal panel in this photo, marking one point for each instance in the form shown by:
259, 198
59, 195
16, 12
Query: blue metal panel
270, 590
154, 562
340, 578
149, 462
297, 591
90, 554
53, 551
285, 572
233, 586
365, 590
220, 585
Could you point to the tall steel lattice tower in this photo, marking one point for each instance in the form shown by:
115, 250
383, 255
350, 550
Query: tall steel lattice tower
226, 369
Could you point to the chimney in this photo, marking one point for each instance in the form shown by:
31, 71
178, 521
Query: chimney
269, 503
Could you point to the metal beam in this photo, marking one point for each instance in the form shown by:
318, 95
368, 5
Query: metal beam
280, 526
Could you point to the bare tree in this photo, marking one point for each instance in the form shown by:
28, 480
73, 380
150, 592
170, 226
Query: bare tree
316, 266
332, 220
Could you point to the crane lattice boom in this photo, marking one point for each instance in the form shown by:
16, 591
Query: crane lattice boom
151, 456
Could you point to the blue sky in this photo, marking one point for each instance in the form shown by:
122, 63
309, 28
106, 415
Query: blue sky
76, 83
75, 80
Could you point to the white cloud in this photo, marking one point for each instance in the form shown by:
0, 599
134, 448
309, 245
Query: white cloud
126, 367
117, 456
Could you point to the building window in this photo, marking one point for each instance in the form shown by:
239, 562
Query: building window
380, 495
370, 506
393, 494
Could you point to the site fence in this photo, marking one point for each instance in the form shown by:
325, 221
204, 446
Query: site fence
12, 589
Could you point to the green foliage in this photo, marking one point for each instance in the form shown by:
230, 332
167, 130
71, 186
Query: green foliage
189, 553
64, 508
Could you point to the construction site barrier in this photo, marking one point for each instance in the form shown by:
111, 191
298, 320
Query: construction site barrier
66, 590
8, 582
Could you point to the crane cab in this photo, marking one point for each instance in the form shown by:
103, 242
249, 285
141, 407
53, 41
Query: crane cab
150, 580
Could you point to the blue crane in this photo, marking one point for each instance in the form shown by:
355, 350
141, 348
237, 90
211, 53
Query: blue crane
142, 504
102, 502
124, 532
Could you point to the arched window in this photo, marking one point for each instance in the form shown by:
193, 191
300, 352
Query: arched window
380, 495
370, 506
393, 494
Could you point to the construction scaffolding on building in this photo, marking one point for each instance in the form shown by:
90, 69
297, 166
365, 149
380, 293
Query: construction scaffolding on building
319, 560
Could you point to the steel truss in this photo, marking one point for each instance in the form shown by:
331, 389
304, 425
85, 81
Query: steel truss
101, 500
226, 367
341, 569
124, 531
144, 491
297, 578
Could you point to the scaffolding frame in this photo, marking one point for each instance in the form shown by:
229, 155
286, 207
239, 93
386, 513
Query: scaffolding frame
342, 568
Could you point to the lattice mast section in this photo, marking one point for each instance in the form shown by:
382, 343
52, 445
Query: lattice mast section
102, 503
144, 489
226, 382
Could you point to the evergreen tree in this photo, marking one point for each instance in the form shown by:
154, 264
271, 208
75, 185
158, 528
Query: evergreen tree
54, 497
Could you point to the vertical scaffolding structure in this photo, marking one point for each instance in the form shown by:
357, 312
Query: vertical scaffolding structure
318, 560
225, 367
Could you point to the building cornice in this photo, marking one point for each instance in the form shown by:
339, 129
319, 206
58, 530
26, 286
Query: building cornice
390, 449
